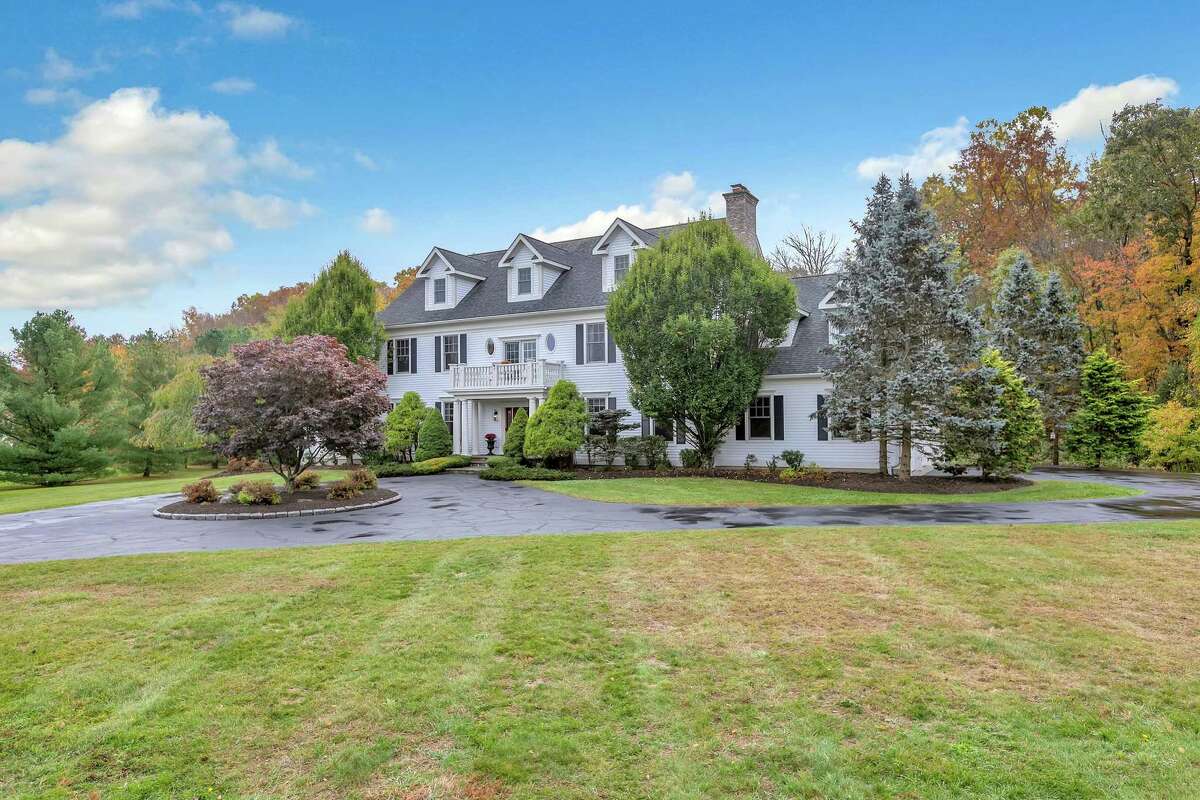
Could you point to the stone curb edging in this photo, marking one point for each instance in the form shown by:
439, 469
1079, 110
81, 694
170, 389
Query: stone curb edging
313, 512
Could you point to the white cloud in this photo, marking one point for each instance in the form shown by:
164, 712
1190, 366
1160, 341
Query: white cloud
130, 195
377, 221
1082, 115
48, 96
674, 199
935, 152
233, 86
269, 158
252, 22
268, 211
365, 161
136, 9
57, 69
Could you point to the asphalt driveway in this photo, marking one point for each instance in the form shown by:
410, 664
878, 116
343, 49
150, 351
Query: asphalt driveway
458, 506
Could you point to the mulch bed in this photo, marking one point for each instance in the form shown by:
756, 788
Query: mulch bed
853, 481
309, 500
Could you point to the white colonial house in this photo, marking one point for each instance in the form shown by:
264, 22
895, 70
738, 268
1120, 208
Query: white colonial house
479, 336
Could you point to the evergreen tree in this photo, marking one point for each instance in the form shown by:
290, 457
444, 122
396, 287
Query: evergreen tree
908, 312
1056, 382
1112, 416
698, 319
556, 429
996, 424
149, 364
56, 401
341, 304
433, 440
1017, 317
861, 315
403, 424
514, 437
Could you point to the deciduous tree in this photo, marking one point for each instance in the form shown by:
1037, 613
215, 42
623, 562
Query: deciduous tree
292, 403
403, 424
698, 319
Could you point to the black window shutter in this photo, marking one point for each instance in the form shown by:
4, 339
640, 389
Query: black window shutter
391, 356
612, 346
438, 405
680, 432
778, 400
412, 355
822, 420
739, 430
437, 354
612, 404
462, 348
645, 425
579, 344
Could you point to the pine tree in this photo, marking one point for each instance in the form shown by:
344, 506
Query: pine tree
996, 424
341, 304
403, 424
149, 364
556, 429
1112, 416
514, 437
433, 440
1035, 326
55, 404
910, 334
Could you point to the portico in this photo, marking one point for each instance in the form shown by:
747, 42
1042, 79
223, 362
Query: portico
476, 416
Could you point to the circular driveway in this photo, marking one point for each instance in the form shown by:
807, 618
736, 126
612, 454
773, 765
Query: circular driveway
459, 506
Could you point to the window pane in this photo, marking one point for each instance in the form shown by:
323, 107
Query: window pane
512, 351
402, 355
620, 267
529, 350
524, 280
596, 344
665, 429
450, 349
448, 416
439, 290
760, 418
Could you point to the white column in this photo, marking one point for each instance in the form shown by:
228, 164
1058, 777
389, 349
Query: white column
458, 426
468, 437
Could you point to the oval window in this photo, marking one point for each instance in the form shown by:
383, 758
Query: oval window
491, 347
550, 342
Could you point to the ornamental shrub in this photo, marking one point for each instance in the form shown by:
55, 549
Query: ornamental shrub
403, 425
793, 458
502, 461
514, 438
556, 429
345, 489
431, 466
364, 479
1112, 417
308, 480
258, 493
517, 473
690, 459
201, 491
434, 439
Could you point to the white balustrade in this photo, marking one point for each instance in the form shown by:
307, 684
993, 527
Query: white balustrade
537, 374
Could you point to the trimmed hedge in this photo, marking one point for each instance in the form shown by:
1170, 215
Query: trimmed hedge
430, 466
503, 461
514, 473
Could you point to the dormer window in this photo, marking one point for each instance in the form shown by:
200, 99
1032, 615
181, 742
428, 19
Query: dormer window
439, 290
525, 280
620, 268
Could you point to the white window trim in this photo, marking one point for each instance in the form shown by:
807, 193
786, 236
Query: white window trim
519, 341
770, 418
446, 340
587, 350
433, 301
517, 286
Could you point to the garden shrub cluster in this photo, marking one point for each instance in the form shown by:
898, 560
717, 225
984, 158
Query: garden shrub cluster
202, 491
430, 466
353, 485
308, 480
518, 473
257, 493
503, 461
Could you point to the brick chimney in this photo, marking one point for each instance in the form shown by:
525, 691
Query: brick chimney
741, 217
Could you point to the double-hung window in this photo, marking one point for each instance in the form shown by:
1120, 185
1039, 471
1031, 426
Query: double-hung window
450, 352
439, 290
594, 406
399, 348
524, 280
520, 350
595, 342
760, 417
620, 268
448, 416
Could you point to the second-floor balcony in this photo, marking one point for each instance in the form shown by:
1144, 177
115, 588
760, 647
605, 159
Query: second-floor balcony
536, 374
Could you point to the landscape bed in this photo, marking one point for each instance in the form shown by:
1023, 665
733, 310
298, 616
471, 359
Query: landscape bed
312, 500
729, 491
983, 661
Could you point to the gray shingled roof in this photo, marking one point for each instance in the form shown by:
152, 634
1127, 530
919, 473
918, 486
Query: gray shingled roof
580, 287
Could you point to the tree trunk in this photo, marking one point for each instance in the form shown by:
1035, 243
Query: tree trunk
905, 471
1054, 446
883, 453
146, 470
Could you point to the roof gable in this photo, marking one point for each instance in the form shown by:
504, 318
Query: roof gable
456, 264
640, 237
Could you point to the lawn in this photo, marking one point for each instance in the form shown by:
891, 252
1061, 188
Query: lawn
728, 492
15, 498
939, 662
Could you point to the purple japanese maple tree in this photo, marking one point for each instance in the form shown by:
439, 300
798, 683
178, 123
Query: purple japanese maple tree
292, 403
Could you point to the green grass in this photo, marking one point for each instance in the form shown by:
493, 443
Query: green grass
1013, 662
14, 498
730, 492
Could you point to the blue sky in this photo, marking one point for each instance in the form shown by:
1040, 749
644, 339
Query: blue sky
156, 154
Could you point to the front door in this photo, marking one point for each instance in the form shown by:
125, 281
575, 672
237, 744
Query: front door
511, 412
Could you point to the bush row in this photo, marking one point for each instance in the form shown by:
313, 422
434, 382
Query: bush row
430, 466
519, 473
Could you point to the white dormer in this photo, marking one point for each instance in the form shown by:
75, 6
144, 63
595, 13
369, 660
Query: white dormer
532, 267
447, 279
618, 249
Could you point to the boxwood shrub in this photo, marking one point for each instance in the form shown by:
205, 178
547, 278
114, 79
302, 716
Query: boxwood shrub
514, 473
430, 466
